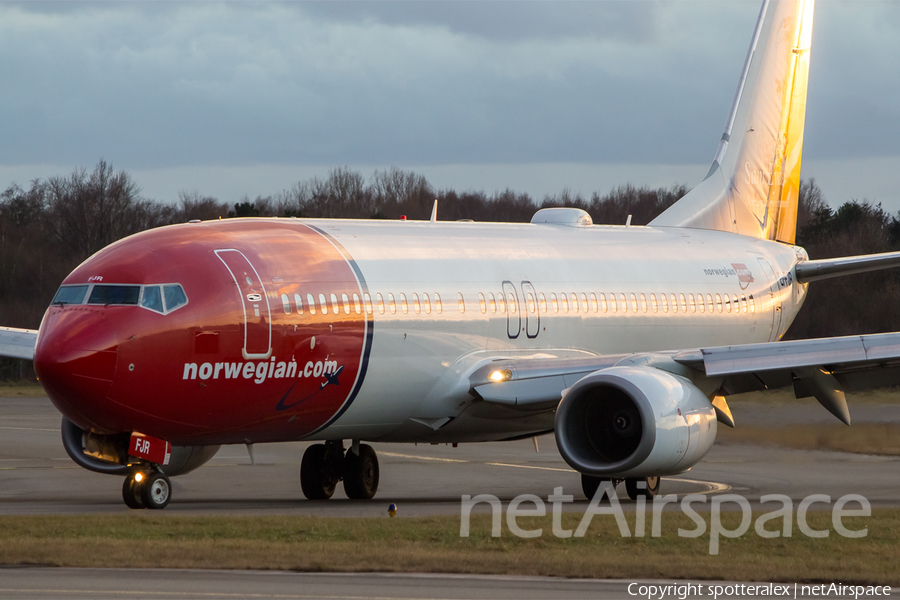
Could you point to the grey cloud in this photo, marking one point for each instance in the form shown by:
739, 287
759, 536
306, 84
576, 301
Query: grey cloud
166, 84
630, 22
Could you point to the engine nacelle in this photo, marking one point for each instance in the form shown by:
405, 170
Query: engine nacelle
628, 421
108, 454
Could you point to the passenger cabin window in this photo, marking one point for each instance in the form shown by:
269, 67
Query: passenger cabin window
501, 304
532, 305
752, 304
298, 301
603, 305
513, 305
554, 302
710, 307
415, 302
391, 304
323, 304
461, 302
692, 303
594, 305
404, 305
634, 304
542, 302
719, 307
356, 306
654, 305
674, 302
665, 302
367, 301
700, 303
71, 294
482, 303
623, 302
574, 300
565, 302
612, 303
426, 304
643, 302
286, 304
736, 303
379, 300
311, 303
438, 306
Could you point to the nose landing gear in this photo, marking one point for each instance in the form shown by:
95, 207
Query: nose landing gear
146, 489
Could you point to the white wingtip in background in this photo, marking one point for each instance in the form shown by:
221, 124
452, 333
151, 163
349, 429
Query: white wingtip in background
753, 185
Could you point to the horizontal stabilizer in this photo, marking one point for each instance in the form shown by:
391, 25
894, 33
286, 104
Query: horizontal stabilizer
814, 270
17, 343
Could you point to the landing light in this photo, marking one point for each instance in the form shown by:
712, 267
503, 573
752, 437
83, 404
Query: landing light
500, 375
138, 477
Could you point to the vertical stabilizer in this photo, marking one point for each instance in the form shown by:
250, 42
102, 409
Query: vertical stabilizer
753, 184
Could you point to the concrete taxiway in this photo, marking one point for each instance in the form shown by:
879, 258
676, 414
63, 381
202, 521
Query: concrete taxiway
36, 476
157, 584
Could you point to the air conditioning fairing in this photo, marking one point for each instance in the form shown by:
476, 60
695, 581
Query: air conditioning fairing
633, 421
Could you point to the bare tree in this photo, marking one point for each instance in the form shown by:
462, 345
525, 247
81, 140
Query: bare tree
88, 212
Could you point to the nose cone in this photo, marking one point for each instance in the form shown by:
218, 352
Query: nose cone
75, 358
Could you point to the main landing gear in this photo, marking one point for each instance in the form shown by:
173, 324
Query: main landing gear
647, 487
145, 488
324, 465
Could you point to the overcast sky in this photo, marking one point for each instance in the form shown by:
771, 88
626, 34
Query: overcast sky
231, 99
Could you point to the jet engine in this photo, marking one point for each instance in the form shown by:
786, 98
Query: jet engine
634, 421
108, 454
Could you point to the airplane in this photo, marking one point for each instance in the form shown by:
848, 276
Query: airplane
624, 341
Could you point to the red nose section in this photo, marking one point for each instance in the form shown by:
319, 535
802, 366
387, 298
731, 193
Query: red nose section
75, 358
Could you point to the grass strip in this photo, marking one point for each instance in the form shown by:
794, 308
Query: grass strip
434, 545
881, 439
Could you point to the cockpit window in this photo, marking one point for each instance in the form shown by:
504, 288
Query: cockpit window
70, 294
115, 294
152, 298
175, 297
162, 298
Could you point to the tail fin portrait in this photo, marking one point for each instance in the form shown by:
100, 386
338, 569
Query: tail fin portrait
753, 184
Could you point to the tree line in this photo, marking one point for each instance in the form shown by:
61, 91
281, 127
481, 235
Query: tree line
54, 224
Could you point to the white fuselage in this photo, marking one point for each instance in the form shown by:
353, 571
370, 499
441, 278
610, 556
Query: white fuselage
626, 289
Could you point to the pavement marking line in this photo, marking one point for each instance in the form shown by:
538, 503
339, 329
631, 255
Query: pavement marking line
395, 455
712, 487
30, 429
531, 467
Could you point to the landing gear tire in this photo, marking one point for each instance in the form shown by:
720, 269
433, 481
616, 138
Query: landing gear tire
315, 481
361, 473
156, 490
647, 487
131, 491
590, 485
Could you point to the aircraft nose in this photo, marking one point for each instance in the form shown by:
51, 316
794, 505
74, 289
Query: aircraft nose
75, 359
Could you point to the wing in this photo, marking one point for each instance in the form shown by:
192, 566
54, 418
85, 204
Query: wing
823, 368
17, 343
